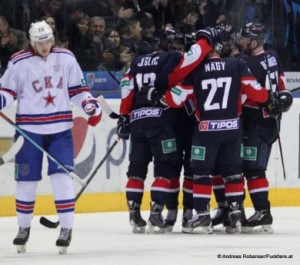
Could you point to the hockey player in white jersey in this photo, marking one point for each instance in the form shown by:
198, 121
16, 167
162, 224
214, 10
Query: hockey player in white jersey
44, 79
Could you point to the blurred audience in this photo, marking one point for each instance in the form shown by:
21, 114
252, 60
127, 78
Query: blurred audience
11, 41
140, 23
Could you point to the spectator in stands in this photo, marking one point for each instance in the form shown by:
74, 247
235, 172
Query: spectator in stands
148, 42
158, 10
100, 8
128, 10
120, 57
200, 14
130, 34
59, 41
11, 41
59, 9
81, 42
100, 43
17, 13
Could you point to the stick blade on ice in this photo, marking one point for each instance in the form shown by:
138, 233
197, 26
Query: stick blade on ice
46, 222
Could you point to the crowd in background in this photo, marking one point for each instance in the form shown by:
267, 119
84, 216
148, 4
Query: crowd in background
109, 34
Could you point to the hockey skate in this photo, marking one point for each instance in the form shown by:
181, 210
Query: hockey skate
187, 215
135, 219
199, 224
21, 239
235, 219
64, 240
221, 216
171, 219
259, 223
156, 223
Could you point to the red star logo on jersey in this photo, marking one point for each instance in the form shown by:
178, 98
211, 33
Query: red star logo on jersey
49, 99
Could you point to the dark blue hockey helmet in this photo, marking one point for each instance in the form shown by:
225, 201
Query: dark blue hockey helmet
223, 43
171, 39
254, 31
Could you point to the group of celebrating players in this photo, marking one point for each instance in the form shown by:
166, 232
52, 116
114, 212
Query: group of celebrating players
215, 110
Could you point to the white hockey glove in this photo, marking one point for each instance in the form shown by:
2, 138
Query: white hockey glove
92, 108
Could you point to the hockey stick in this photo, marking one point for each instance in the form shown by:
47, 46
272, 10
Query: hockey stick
281, 156
70, 174
110, 73
272, 97
107, 109
46, 222
10, 154
296, 89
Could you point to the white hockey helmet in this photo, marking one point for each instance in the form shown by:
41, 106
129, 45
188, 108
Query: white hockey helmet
40, 31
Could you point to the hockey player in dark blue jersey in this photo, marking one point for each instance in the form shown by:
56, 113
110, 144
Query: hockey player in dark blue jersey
149, 122
230, 48
261, 124
218, 86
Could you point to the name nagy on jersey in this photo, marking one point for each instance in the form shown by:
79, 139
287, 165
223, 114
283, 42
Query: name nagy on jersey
214, 66
145, 113
219, 125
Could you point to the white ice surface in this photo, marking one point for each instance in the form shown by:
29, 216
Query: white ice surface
106, 238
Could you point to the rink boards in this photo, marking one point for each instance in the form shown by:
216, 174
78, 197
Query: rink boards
106, 192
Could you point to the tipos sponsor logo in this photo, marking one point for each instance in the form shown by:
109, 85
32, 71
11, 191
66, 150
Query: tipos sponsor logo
219, 125
145, 113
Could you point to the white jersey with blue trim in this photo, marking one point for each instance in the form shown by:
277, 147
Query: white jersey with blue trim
44, 88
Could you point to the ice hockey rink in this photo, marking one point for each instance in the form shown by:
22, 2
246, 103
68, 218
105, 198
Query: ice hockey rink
106, 238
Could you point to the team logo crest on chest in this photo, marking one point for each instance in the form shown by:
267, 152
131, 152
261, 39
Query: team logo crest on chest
49, 99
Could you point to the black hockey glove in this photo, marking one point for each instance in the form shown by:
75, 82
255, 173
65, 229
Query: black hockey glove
285, 99
274, 108
148, 96
209, 33
123, 127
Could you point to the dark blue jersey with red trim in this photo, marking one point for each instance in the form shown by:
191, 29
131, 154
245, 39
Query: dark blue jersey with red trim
263, 65
218, 87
